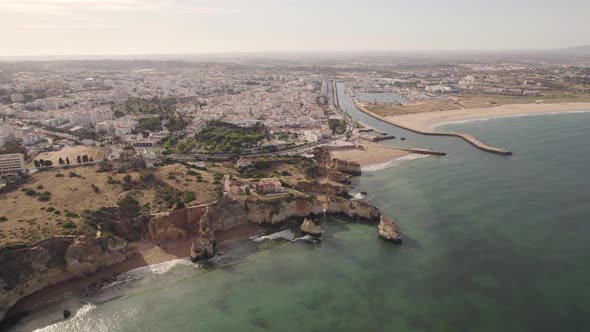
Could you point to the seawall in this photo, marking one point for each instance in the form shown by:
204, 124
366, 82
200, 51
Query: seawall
466, 137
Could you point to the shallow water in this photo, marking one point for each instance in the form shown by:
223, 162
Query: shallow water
492, 243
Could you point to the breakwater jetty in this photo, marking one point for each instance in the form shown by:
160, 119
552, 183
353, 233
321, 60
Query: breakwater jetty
468, 138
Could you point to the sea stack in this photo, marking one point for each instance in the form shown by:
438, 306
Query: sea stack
203, 246
389, 230
309, 227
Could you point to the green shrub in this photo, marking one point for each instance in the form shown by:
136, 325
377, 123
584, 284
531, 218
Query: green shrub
59, 175
71, 214
50, 209
91, 224
68, 224
44, 197
72, 174
30, 192
3, 218
189, 197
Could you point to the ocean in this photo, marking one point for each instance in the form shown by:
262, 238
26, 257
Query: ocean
492, 243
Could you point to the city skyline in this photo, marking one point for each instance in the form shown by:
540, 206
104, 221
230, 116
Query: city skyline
127, 27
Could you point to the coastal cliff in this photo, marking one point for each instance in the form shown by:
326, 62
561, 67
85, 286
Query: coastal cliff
27, 269
274, 212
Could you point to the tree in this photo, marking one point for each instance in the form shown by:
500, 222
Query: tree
61, 161
42, 162
37, 163
79, 159
84, 158
336, 125
67, 160
48, 163
91, 160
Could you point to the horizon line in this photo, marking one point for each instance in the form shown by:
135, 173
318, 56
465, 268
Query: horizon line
290, 52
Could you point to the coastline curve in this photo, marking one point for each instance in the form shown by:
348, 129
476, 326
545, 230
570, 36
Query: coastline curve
466, 137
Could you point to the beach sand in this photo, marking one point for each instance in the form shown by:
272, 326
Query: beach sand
428, 120
373, 154
147, 254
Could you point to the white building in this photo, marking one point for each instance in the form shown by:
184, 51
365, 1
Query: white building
12, 164
125, 127
313, 135
31, 138
88, 118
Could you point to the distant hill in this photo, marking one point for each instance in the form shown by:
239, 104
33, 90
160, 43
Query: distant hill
579, 50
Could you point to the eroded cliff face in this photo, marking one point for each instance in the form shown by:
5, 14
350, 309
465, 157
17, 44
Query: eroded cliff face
176, 225
274, 212
348, 167
27, 269
325, 188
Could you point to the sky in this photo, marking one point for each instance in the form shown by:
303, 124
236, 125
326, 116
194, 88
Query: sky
118, 27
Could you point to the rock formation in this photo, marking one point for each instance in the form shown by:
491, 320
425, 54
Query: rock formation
274, 212
325, 188
389, 230
309, 227
27, 269
349, 167
203, 246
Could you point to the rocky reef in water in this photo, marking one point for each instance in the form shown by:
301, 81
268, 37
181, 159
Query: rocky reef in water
389, 230
310, 228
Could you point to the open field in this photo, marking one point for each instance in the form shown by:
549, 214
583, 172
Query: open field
31, 217
471, 101
188, 180
96, 153
427, 120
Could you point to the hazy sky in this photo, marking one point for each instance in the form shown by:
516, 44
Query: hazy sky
62, 27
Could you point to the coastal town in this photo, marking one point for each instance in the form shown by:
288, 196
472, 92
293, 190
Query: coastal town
155, 160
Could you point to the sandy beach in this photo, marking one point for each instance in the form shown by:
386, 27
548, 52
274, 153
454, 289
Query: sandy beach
426, 121
372, 154
147, 254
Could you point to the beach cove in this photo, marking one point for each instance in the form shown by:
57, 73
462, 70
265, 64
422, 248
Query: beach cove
478, 256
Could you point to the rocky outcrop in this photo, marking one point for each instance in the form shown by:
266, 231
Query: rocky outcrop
204, 246
224, 214
27, 269
389, 230
348, 167
324, 188
277, 211
309, 227
176, 225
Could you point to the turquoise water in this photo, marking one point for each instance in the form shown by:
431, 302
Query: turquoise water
492, 244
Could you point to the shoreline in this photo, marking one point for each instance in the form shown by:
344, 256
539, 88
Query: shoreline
371, 154
427, 121
148, 254
466, 137
371, 168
